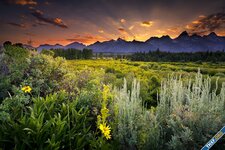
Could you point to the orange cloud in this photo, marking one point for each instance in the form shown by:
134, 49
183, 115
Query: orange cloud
174, 29
42, 18
58, 21
22, 2
122, 20
101, 31
196, 22
206, 24
147, 23
201, 16
131, 27
86, 39
122, 30
162, 32
221, 33
189, 27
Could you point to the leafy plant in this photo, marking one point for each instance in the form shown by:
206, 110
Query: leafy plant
53, 122
13, 63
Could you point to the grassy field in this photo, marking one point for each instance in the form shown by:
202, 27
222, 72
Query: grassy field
52, 103
150, 74
211, 69
143, 70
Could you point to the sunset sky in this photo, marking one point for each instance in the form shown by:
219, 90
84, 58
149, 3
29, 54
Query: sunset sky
38, 22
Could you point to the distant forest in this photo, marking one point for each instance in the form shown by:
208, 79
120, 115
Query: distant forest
153, 56
158, 56
70, 54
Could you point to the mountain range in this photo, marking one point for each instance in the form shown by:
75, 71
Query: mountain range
183, 43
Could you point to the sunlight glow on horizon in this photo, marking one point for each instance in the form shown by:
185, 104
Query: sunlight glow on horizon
36, 22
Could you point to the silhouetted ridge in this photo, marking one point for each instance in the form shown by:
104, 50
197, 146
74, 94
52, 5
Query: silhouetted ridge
183, 43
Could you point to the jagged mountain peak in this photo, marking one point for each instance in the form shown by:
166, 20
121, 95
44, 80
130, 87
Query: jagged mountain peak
183, 43
183, 34
57, 44
121, 40
75, 45
166, 37
212, 34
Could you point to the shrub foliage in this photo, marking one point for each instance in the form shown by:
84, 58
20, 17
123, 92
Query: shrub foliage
50, 103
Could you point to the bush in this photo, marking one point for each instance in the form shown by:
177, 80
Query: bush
54, 122
87, 115
43, 73
149, 90
135, 127
47, 52
190, 114
13, 64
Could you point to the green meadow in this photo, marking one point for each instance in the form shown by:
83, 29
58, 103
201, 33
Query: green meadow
49, 102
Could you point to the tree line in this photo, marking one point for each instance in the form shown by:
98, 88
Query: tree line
70, 54
153, 56
218, 56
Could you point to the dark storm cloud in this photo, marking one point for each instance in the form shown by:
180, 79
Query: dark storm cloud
39, 23
17, 25
141, 8
54, 21
206, 24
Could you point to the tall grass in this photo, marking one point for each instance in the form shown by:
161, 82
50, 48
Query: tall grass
188, 114
135, 124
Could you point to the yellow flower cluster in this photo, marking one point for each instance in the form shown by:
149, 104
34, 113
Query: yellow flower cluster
105, 130
104, 114
26, 89
105, 93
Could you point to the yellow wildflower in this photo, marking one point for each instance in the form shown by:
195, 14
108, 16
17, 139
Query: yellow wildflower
105, 131
105, 92
108, 136
104, 112
26, 89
